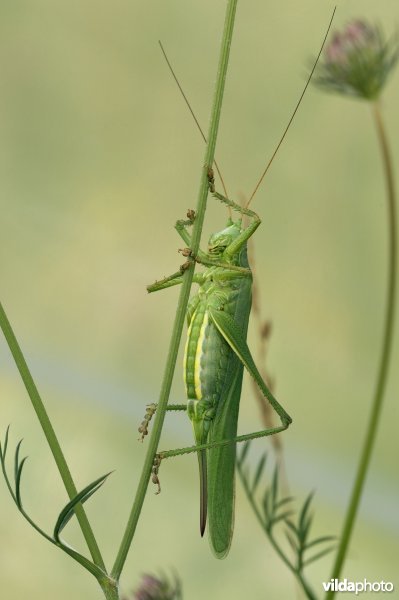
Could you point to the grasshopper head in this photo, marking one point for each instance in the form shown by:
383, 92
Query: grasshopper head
219, 241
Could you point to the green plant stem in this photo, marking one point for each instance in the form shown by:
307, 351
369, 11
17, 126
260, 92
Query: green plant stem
183, 297
111, 593
309, 593
296, 572
50, 436
386, 352
110, 590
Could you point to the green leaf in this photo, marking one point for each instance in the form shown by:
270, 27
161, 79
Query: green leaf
267, 509
292, 542
18, 466
243, 454
320, 540
305, 528
98, 573
304, 520
284, 501
258, 473
275, 485
18, 483
245, 473
3, 451
293, 528
68, 511
16, 460
282, 517
317, 556
305, 508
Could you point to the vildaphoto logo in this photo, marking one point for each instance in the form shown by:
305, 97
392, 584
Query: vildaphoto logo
345, 585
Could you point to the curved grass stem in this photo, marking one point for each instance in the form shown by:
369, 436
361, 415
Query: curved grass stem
386, 352
183, 298
50, 435
295, 570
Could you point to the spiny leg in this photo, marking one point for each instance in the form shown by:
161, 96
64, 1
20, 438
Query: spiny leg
182, 224
240, 438
237, 244
177, 278
189, 449
224, 265
230, 203
227, 327
203, 259
174, 279
150, 412
143, 430
154, 472
181, 228
237, 207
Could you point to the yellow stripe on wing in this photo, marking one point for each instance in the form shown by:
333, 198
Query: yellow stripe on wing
185, 354
198, 355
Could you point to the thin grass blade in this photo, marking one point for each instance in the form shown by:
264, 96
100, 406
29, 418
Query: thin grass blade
320, 540
266, 503
18, 483
68, 511
275, 485
318, 555
16, 460
303, 514
282, 517
3, 450
283, 501
291, 542
293, 528
243, 454
304, 531
258, 473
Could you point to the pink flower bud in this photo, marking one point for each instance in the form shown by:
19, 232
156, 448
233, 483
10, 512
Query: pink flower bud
358, 61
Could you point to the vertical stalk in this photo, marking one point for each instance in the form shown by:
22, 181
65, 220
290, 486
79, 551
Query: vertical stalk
50, 436
385, 353
183, 297
110, 590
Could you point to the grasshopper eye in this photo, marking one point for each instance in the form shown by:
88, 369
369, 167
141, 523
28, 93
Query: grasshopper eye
218, 243
217, 249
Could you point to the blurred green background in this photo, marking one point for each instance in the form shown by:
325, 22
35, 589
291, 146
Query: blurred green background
99, 157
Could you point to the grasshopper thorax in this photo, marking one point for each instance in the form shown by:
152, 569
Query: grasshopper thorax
218, 242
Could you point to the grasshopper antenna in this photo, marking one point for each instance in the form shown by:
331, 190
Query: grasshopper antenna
294, 112
192, 112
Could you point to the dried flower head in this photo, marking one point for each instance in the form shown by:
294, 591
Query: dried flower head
357, 61
156, 588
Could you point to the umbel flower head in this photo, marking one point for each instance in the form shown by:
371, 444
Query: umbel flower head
155, 588
357, 61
